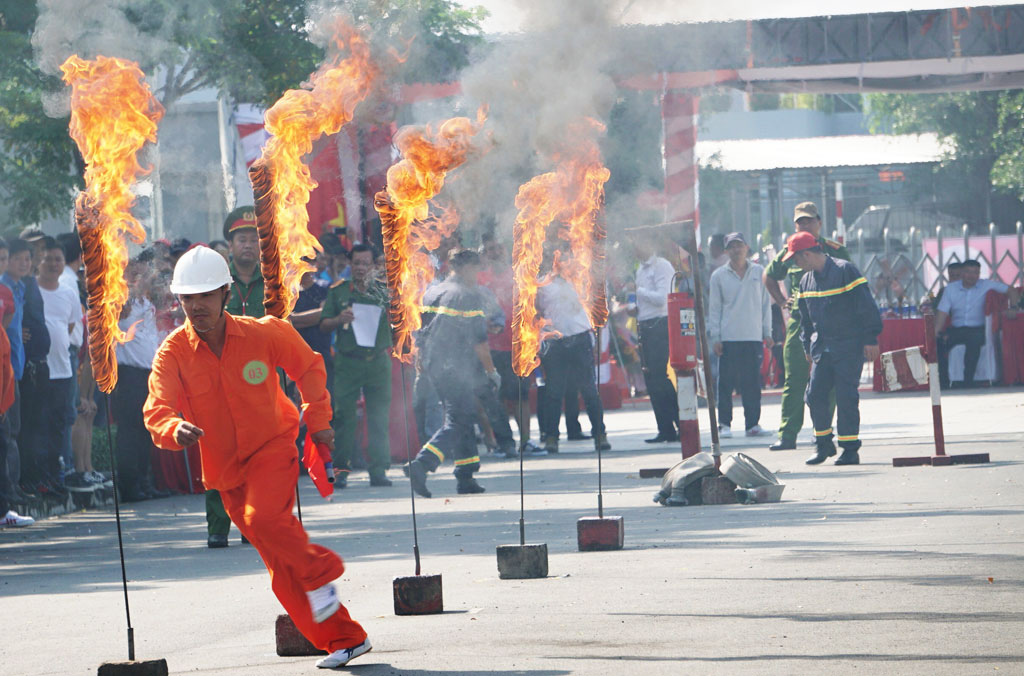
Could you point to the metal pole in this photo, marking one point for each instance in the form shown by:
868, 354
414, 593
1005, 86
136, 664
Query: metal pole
120, 541
931, 350
597, 389
408, 457
698, 303
994, 262
1020, 253
522, 451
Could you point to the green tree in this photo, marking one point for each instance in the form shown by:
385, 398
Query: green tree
982, 131
252, 50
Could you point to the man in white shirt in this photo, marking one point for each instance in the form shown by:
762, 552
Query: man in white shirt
740, 323
69, 277
964, 302
568, 356
134, 362
62, 312
653, 284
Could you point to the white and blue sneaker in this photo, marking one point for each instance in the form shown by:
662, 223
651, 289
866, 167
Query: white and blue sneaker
340, 658
323, 602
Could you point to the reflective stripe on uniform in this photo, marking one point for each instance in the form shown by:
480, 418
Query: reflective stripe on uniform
833, 292
467, 461
848, 437
451, 312
435, 450
823, 433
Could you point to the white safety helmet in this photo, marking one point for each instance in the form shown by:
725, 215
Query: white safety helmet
199, 270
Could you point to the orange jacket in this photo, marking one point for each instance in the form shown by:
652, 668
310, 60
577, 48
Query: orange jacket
6, 373
236, 400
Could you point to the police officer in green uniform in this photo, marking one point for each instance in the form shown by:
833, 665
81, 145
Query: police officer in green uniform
806, 219
246, 299
365, 368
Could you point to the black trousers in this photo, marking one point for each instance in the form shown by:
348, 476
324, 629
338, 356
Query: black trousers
35, 423
133, 441
456, 437
570, 360
654, 348
973, 339
739, 369
840, 369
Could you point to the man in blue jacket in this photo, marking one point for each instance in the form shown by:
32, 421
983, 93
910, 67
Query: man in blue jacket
839, 324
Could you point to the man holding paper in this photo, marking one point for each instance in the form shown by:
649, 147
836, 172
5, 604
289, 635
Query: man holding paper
357, 310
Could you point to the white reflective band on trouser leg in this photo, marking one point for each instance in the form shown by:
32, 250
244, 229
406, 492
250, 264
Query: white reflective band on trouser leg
689, 432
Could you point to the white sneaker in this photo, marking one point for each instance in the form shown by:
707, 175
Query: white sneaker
340, 658
323, 602
756, 431
724, 432
15, 520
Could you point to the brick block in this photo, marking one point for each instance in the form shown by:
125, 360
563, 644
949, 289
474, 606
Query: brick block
290, 641
522, 562
717, 490
418, 595
599, 534
134, 668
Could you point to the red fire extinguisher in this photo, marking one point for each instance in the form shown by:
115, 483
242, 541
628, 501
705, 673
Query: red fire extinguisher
682, 332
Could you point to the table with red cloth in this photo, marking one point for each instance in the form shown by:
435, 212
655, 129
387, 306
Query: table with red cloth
1013, 348
898, 333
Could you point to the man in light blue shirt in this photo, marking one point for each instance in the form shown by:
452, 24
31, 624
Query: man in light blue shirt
740, 325
964, 302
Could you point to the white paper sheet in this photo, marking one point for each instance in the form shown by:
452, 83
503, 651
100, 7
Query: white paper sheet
365, 323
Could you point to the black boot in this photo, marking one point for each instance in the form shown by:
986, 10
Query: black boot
849, 455
468, 485
826, 449
418, 476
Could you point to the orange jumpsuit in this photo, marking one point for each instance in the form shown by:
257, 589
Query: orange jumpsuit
248, 448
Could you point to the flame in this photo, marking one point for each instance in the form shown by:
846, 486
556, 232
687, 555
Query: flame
409, 228
571, 195
298, 119
113, 115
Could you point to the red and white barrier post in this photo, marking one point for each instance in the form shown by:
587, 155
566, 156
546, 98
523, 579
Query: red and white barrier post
840, 223
940, 459
689, 431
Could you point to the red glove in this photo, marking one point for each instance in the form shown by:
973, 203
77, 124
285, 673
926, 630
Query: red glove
317, 459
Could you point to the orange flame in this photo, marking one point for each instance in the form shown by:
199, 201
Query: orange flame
409, 230
298, 119
113, 115
573, 195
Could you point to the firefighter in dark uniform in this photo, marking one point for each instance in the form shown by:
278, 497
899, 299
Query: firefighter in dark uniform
839, 327
455, 357
806, 219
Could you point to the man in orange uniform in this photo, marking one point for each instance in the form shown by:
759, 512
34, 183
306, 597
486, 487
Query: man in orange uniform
213, 382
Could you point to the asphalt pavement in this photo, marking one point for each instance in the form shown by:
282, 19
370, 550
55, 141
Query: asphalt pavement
873, 569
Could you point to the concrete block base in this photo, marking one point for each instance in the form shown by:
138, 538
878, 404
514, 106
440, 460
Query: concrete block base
596, 534
942, 460
717, 490
967, 459
522, 562
653, 472
291, 642
134, 668
912, 461
418, 595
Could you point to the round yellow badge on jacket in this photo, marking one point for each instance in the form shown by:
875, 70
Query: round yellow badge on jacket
255, 372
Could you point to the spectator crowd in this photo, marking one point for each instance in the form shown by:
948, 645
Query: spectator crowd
466, 392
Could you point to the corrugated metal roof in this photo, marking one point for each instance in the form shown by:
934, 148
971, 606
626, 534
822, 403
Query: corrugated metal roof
820, 151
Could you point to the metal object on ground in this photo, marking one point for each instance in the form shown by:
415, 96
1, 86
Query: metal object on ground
522, 561
290, 641
746, 472
940, 459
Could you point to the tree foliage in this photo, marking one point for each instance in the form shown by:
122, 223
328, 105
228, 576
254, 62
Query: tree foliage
251, 50
982, 131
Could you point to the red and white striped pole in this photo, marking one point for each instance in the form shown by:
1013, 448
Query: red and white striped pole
934, 388
679, 157
840, 224
940, 459
689, 430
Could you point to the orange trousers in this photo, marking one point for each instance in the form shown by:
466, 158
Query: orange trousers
262, 509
